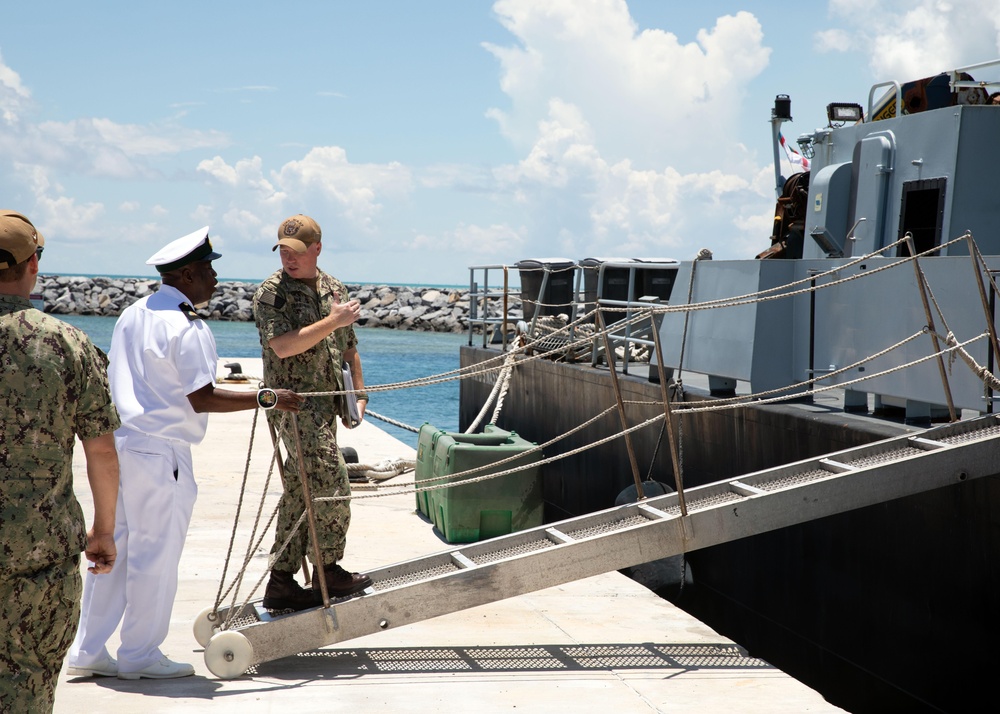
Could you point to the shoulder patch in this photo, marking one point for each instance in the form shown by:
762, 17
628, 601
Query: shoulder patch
273, 299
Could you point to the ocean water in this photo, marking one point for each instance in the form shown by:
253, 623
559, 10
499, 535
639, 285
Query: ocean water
388, 357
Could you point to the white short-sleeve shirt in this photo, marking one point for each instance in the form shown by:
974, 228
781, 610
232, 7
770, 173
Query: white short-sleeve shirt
159, 356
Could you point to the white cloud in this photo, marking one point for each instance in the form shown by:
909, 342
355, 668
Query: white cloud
642, 93
580, 203
101, 147
614, 123
131, 140
89, 146
62, 215
460, 177
908, 39
245, 174
11, 81
242, 221
834, 41
345, 198
354, 190
203, 214
13, 95
473, 241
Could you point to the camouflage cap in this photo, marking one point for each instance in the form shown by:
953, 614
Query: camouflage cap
298, 233
19, 239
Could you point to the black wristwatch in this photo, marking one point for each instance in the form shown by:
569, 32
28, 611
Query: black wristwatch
267, 398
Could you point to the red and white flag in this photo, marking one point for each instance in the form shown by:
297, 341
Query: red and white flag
794, 157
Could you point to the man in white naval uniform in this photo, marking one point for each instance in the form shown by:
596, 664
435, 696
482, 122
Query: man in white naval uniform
162, 374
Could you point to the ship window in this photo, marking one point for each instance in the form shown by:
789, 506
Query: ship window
922, 213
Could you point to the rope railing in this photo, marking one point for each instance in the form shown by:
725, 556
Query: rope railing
496, 364
684, 407
524, 350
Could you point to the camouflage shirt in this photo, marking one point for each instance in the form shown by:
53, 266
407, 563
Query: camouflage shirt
54, 388
282, 304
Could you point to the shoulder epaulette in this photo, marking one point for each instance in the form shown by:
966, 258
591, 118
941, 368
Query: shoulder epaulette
189, 312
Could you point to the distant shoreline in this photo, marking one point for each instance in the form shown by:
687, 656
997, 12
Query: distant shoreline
402, 307
92, 276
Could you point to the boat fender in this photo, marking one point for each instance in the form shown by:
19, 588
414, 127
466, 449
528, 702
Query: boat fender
649, 489
666, 576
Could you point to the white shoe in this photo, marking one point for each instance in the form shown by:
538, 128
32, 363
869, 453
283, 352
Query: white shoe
164, 669
106, 667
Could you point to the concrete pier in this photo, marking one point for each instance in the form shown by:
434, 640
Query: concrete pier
597, 645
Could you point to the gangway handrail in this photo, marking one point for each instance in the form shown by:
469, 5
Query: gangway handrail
624, 536
475, 296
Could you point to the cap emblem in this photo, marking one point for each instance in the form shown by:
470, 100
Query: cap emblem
291, 227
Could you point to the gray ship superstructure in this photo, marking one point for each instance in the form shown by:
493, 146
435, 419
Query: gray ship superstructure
889, 607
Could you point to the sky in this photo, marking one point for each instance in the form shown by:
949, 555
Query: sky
427, 137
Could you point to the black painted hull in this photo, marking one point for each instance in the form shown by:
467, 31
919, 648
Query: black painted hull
886, 608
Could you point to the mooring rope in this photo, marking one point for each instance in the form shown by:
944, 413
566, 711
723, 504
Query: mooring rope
383, 470
387, 420
499, 389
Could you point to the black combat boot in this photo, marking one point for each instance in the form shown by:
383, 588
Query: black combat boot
284, 593
339, 582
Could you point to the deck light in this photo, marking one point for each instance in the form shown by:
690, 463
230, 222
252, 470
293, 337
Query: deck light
839, 113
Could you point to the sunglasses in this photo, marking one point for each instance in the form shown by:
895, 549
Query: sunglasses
38, 252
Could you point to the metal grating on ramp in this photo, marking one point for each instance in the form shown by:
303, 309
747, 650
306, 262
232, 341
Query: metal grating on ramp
701, 502
885, 457
414, 577
605, 528
512, 551
968, 436
792, 479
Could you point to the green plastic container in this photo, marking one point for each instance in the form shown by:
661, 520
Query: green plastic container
489, 508
424, 469
427, 438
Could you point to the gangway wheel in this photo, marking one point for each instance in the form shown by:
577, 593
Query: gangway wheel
228, 654
205, 625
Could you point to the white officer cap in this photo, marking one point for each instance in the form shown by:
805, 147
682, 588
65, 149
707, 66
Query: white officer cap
191, 248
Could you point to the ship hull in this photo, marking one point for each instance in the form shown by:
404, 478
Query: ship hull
886, 608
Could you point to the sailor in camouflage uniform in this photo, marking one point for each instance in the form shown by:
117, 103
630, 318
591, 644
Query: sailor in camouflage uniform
54, 389
305, 319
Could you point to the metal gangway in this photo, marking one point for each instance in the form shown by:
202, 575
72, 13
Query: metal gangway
616, 538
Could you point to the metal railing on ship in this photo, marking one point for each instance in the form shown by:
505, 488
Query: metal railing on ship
485, 314
625, 287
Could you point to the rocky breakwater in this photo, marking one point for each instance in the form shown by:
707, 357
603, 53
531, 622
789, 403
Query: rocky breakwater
401, 308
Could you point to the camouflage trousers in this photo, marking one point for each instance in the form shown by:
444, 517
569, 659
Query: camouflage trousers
39, 612
327, 476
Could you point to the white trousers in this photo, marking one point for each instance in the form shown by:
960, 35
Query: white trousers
156, 496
